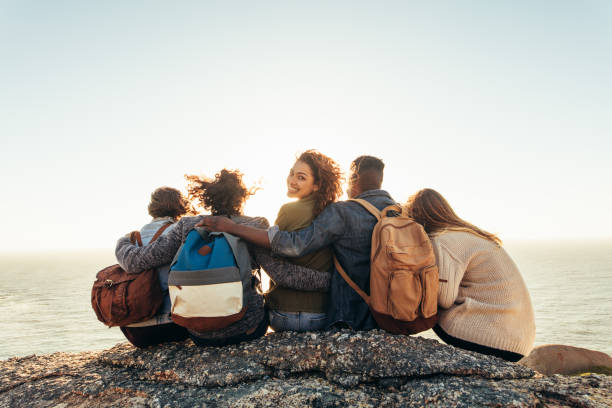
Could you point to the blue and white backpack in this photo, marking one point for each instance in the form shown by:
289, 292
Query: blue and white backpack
210, 281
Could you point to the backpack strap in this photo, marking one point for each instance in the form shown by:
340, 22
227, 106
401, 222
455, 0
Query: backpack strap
136, 238
378, 214
160, 231
393, 207
350, 282
375, 211
365, 204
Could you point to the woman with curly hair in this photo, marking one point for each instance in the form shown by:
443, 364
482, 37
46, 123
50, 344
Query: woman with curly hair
484, 302
315, 180
224, 196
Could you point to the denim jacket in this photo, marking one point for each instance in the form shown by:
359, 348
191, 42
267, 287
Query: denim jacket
346, 227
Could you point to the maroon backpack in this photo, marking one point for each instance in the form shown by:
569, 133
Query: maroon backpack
120, 298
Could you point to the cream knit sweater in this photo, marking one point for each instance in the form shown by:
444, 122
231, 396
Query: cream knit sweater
482, 296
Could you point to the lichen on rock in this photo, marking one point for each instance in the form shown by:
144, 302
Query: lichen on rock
339, 368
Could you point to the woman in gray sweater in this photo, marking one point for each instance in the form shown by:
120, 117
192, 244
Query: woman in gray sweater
225, 195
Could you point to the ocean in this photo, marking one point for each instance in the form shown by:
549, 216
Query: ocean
45, 297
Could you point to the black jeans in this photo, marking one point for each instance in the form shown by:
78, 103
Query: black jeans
261, 329
152, 335
468, 345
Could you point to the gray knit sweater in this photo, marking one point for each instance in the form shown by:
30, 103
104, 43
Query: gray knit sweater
161, 252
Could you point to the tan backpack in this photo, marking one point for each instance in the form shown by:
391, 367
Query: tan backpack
120, 298
403, 273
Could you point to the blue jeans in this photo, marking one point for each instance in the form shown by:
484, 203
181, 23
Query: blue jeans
297, 321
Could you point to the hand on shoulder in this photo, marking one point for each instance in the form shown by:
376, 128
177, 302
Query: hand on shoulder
216, 223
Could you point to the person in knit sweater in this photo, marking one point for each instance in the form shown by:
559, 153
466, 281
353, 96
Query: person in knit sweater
225, 196
484, 305
166, 206
315, 181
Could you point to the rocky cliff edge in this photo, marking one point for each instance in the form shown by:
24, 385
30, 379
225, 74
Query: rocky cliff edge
341, 368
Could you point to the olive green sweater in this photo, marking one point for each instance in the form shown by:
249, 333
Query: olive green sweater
292, 217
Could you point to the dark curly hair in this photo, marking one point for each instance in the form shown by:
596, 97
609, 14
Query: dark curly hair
327, 176
225, 195
168, 202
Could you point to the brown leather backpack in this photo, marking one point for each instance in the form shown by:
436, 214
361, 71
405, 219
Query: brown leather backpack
403, 273
120, 298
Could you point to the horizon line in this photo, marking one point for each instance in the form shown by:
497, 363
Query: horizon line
112, 249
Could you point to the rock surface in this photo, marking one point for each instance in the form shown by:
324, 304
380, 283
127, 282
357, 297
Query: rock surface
339, 368
560, 359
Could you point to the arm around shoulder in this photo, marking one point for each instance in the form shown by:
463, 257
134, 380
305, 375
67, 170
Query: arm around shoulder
256, 222
291, 275
253, 231
250, 229
135, 259
324, 230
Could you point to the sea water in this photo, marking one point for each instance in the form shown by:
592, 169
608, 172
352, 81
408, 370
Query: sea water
45, 300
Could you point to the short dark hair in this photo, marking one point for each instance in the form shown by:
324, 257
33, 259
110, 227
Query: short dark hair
363, 163
369, 172
168, 202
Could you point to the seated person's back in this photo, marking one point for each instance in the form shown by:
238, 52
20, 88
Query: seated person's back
166, 206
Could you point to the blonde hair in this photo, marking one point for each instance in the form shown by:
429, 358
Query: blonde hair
434, 213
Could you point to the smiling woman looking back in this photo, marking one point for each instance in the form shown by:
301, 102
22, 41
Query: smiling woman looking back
315, 181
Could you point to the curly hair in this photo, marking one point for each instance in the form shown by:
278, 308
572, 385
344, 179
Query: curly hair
430, 209
168, 202
327, 175
225, 195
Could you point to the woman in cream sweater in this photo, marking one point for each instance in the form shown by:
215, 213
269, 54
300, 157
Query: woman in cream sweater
484, 305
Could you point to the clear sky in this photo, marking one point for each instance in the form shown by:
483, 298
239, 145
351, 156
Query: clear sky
503, 107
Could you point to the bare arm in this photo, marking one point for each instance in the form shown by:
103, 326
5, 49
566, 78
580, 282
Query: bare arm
250, 234
291, 275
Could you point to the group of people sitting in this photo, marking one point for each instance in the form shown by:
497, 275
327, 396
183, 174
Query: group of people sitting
484, 305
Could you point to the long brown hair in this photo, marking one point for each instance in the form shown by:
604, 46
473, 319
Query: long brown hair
327, 175
434, 213
223, 195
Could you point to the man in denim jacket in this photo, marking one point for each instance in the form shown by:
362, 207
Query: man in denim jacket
345, 226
